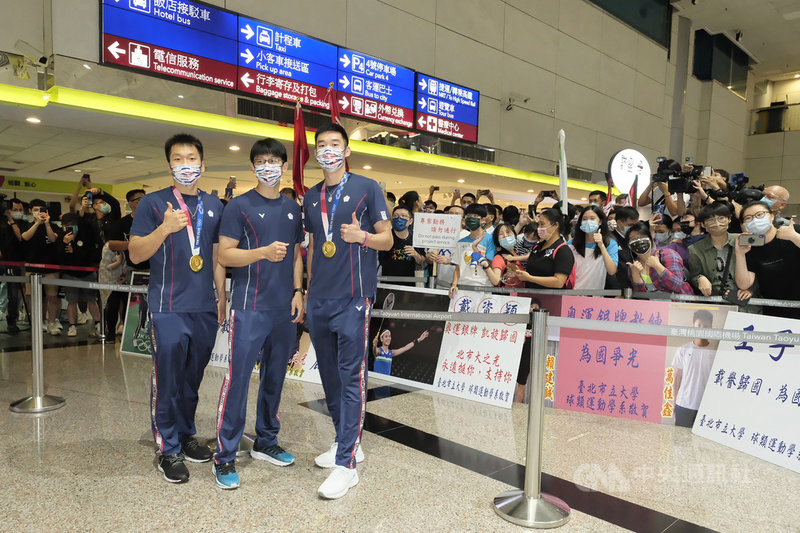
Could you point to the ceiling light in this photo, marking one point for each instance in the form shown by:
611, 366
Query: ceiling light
77, 170
398, 182
797, 75
180, 96
367, 167
461, 181
33, 120
530, 190
86, 66
130, 157
730, 86
583, 199
234, 148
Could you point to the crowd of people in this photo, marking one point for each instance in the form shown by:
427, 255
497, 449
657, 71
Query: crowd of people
318, 264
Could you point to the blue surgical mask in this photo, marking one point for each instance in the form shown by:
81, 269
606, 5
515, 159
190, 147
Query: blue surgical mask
590, 226
662, 237
679, 235
508, 242
74, 229
767, 201
399, 224
105, 208
759, 226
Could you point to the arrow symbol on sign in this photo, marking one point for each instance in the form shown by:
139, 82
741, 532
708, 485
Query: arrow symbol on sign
345, 60
248, 32
246, 79
422, 103
247, 55
115, 50
344, 103
421, 122
345, 82
423, 84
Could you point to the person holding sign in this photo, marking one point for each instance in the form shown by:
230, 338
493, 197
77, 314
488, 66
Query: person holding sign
260, 238
383, 354
181, 245
402, 258
346, 217
474, 253
594, 250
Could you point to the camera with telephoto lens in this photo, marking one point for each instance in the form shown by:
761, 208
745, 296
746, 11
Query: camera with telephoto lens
671, 172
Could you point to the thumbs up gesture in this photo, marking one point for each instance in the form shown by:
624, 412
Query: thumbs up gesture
352, 233
174, 220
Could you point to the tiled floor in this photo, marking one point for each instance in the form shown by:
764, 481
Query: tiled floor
433, 463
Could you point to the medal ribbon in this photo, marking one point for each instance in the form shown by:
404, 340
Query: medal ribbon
326, 225
194, 237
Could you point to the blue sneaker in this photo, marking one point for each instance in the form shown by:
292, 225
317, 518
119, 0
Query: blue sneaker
226, 475
274, 454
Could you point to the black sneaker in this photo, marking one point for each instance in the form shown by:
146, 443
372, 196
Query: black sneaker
173, 468
13, 329
194, 451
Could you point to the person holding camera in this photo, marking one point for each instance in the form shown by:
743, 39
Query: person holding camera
41, 246
11, 250
80, 246
770, 255
654, 270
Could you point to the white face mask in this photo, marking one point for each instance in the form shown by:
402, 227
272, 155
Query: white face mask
186, 175
330, 158
269, 174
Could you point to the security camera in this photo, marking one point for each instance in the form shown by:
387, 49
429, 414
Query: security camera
517, 97
738, 35
32, 53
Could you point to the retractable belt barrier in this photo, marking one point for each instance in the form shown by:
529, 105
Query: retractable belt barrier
48, 266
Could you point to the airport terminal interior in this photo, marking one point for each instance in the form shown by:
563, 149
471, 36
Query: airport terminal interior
519, 103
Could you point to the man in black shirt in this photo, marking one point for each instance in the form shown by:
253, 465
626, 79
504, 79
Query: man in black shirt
625, 218
80, 246
11, 250
402, 259
41, 246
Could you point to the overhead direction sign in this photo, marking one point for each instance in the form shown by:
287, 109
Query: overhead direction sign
444, 108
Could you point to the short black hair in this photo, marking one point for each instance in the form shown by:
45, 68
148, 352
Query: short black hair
722, 209
268, 147
642, 227
17, 201
470, 195
402, 206
722, 172
490, 210
391, 196
626, 213
666, 220
704, 315
409, 198
36, 202
475, 209
530, 227
447, 209
132, 192
183, 138
555, 217
602, 194
330, 126
431, 202
749, 205
511, 214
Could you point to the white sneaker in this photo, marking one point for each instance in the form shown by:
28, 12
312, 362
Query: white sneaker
82, 319
72, 331
59, 325
338, 483
96, 330
328, 459
53, 329
120, 329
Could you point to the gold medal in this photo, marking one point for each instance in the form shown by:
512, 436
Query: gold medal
328, 249
196, 263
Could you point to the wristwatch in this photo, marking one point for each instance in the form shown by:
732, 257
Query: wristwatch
301, 291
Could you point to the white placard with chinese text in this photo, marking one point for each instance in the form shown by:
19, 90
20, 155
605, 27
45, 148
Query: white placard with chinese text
436, 231
479, 361
752, 399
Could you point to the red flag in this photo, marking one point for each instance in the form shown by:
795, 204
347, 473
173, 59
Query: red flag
632, 198
330, 97
300, 156
609, 206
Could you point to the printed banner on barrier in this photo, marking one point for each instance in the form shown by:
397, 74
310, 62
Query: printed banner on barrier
136, 331
752, 399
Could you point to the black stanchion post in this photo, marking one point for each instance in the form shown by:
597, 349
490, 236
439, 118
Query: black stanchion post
37, 402
531, 507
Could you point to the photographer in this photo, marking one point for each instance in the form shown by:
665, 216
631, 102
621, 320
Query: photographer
11, 250
80, 246
41, 246
662, 201
775, 263
105, 207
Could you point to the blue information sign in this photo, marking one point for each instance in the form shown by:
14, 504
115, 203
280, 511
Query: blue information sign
366, 66
286, 42
264, 60
376, 90
444, 99
189, 14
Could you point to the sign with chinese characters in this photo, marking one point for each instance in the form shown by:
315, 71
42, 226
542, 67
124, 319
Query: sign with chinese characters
284, 65
752, 398
436, 231
444, 108
626, 166
179, 39
479, 361
375, 89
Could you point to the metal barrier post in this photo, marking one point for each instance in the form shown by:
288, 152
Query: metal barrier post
38, 402
531, 507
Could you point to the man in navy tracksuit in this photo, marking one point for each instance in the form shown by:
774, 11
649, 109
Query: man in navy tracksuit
347, 218
176, 229
260, 237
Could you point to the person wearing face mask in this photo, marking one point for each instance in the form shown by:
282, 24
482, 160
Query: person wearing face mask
504, 240
550, 263
259, 238
775, 264
776, 197
348, 222
474, 253
402, 258
595, 252
712, 258
654, 270
445, 256
624, 218
185, 276
11, 250
661, 232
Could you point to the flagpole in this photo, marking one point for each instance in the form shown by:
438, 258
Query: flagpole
562, 171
